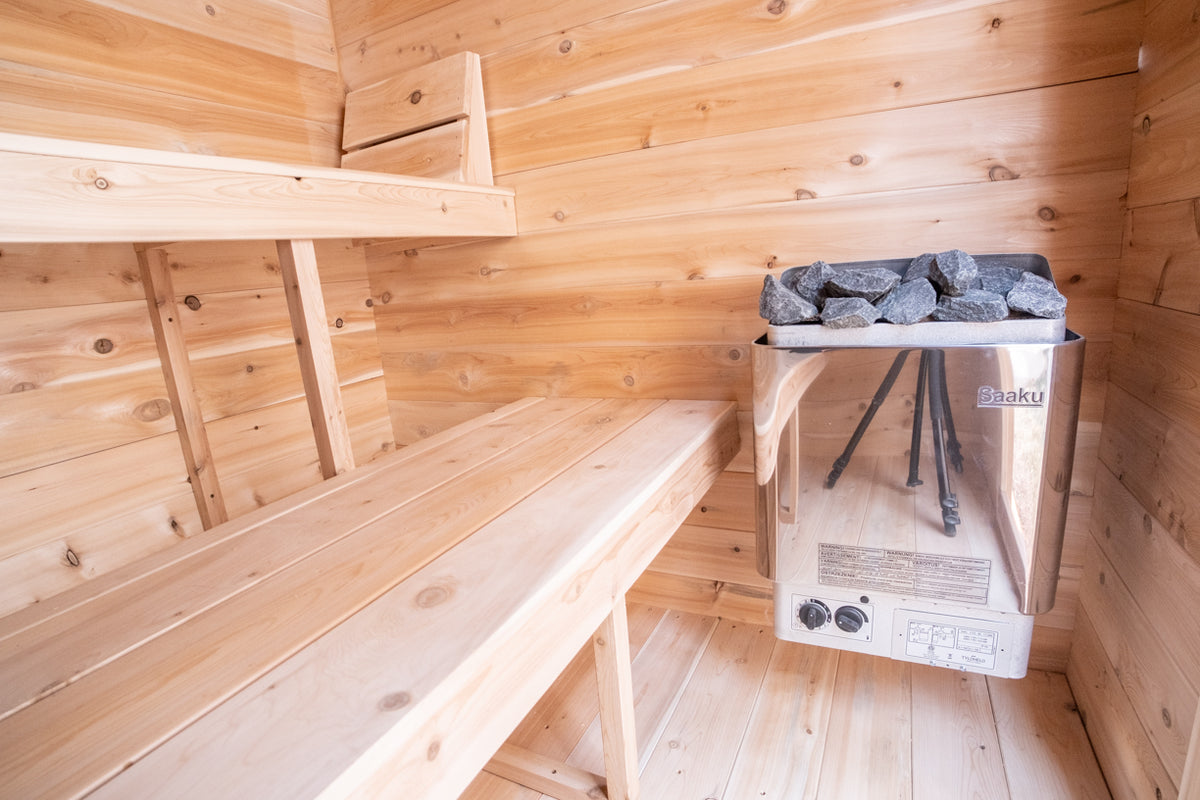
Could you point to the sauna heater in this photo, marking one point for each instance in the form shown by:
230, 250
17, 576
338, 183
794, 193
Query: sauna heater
913, 482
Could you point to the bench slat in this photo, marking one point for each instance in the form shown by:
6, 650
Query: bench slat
620, 487
64, 646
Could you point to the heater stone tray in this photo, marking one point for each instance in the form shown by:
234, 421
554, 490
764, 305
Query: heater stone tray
1015, 330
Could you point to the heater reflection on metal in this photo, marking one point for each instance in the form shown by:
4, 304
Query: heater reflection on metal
863, 554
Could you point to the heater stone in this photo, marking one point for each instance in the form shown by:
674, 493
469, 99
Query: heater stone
954, 271
781, 306
918, 268
976, 305
809, 282
1035, 295
999, 279
869, 284
909, 302
848, 312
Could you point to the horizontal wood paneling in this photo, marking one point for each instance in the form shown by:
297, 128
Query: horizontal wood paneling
1165, 162
83, 38
1131, 767
944, 58
1170, 53
931, 145
1161, 264
296, 31
1139, 589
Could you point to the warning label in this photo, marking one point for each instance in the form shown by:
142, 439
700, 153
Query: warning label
951, 644
903, 572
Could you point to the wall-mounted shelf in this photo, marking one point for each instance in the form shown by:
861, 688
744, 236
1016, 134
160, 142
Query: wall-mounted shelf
57, 190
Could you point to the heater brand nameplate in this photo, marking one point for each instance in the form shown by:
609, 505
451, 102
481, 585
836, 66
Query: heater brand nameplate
906, 573
976, 645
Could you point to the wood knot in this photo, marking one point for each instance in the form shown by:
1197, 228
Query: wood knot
565, 46
857, 160
394, 701
434, 595
996, 22
776, 7
628, 380
415, 97
1166, 717
192, 302
153, 410
435, 747
212, 12
385, 298
805, 194
103, 346
73, 560
1146, 124
999, 172
735, 355
560, 215
339, 322
101, 183
1046, 213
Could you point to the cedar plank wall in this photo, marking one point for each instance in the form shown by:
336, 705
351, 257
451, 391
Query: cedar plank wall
666, 156
91, 472
1135, 659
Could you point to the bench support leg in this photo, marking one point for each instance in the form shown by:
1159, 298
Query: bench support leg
614, 675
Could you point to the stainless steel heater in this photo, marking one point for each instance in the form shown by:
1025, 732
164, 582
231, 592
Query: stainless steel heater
913, 482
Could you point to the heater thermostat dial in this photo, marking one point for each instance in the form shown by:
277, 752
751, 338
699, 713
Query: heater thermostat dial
813, 614
850, 619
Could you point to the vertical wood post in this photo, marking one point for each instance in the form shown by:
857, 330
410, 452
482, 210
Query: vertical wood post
177, 371
614, 674
306, 306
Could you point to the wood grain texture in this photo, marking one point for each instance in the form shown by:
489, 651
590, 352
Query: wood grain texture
468, 729
1165, 161
930, 145
1132, 769
1170, 52
425, 97
1044, 764
181, 388
127, 199
1162, 692
306, 307
1161, 263
955, 711
76, 37
614, 678
953, 56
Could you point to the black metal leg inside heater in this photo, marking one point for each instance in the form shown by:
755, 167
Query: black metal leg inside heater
931, 375
914, 452
881, 394
937, 419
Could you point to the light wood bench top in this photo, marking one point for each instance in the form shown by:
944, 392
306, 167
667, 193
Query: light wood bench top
58, 190
379, 634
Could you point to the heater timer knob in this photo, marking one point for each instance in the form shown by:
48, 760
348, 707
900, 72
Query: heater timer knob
850, 619
813, 614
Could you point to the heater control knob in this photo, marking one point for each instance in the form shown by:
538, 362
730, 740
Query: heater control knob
813, 614
850, 619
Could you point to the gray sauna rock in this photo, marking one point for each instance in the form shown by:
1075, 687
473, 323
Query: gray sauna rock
954, 272
909, 302
848, 312
809, 281
999, 278
976, 305
869, 283
1035, 295
781, 306
918, 268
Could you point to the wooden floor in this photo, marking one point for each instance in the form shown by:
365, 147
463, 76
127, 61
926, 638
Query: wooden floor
727, 712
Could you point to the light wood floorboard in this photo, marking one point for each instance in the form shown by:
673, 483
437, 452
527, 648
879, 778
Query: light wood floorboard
727, 712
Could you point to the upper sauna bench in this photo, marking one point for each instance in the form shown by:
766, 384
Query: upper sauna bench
57, 190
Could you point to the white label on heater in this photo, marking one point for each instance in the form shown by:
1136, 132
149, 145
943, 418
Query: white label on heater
952, 644
903, 572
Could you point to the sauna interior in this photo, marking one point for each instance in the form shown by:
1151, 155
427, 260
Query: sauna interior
663, 157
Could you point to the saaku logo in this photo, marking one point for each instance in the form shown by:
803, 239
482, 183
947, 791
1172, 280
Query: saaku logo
990, 397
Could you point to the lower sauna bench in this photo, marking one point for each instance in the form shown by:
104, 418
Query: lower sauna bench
727, 712
377, 635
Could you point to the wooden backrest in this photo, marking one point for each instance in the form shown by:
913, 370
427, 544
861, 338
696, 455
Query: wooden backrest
429, 122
